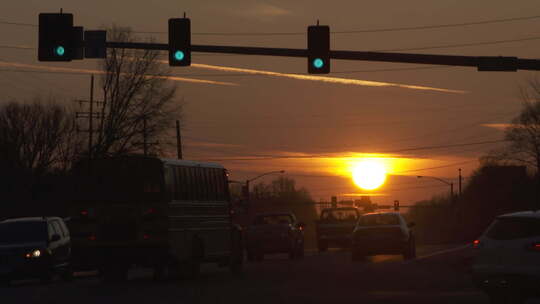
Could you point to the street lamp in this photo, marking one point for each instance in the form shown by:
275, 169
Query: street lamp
256, 177
442, 181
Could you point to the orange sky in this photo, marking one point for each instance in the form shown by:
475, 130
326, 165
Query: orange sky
248, 106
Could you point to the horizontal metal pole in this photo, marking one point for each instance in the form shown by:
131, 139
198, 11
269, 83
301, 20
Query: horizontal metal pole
406, 58
482, 62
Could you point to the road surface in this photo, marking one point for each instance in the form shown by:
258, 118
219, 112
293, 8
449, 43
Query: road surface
437, 276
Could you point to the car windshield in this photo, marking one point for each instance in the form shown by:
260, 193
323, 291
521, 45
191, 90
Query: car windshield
513, 228
23, 232
339, 215
378, 220
274, 219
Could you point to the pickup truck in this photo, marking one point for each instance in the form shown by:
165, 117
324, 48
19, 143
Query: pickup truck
335, 227
275, 233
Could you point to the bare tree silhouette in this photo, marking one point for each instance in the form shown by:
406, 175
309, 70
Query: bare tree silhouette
37, 137
140, 105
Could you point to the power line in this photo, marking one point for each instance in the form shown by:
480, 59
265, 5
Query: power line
447, 146
446, 46
269, 157
379, 30
18, 23
438, 167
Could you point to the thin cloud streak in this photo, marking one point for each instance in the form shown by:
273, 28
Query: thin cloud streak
337, 80
89, 71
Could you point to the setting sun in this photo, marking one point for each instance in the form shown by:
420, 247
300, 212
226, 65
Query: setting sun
369, 174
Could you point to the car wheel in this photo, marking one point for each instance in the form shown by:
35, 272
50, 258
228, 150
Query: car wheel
293, 252
190, 269
250, 256
116, 273
301, 251
507, 297
409, 252
162, 272
323, 246
46, 277
357, 255
5, 282
237, 258
67, 274
413, 249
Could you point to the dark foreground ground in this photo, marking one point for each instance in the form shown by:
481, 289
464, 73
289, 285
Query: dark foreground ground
437, 276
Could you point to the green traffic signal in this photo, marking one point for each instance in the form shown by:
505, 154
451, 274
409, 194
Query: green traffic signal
179, 55
59, 51
318, 63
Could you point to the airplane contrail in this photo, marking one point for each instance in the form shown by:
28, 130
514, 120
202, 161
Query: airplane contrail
89, 71
338, 80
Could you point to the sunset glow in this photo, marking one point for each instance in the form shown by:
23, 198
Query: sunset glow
369, 174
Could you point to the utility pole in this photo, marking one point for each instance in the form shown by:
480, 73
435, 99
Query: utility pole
145, 142
460, 178
90, 115
178, 140
90, 118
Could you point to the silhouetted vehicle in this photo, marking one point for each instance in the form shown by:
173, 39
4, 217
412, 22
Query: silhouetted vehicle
275, 233
34, 247
383, 233
335, 227
171, 215
507, 261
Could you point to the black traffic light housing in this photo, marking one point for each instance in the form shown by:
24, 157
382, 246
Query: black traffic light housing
318, 49
57, 37
179, 42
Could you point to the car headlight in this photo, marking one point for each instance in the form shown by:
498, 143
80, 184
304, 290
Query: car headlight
33, 254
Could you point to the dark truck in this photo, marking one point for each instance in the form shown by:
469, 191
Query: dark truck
170, 215
275, 233
335, 227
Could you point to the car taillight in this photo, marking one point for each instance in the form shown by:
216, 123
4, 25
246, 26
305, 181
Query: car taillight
535, 247
476, 244
150, 213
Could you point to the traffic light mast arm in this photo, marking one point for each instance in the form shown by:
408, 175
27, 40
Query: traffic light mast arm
450, 60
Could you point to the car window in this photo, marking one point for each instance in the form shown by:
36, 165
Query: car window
60, 227
55, 228
23, 232
378, 220
513, 228
339, 215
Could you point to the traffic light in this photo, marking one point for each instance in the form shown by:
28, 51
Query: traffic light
56, 37
319, 49
179, 42
396, 205
95, 44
